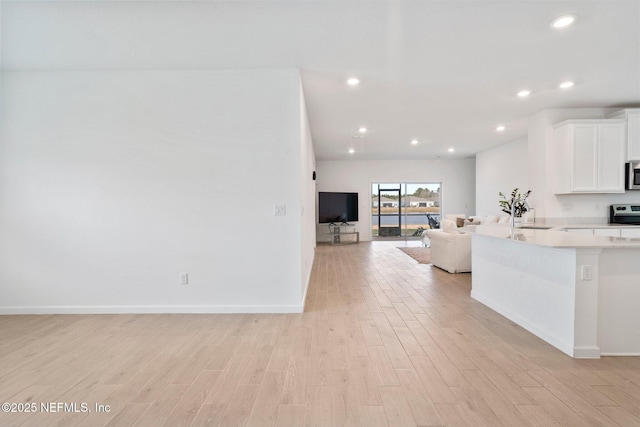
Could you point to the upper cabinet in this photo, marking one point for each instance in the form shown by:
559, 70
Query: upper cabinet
632, 119
589, 156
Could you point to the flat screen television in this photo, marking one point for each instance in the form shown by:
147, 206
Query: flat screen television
337, 207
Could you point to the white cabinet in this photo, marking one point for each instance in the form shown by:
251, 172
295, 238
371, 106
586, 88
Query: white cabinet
611, 232
632, 119
589, 156
629, 233
579, 230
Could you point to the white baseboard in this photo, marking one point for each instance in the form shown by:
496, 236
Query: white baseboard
621, 354
153, 309
586, 352
308, 281
162, 309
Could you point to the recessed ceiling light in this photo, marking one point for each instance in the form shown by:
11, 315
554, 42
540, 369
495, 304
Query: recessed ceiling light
524, 93
566, 85
500, 128
414, 142
564, 20
353, 81
362, 129
451, 150
351, 151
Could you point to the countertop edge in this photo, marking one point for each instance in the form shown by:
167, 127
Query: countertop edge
555, 238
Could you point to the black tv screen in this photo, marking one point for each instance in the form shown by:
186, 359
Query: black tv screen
337, 207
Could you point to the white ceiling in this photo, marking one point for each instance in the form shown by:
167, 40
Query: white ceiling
443, 72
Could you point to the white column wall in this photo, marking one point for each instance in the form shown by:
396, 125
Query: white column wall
112, 183
500, 169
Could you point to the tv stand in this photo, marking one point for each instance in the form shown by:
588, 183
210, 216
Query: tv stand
337, 233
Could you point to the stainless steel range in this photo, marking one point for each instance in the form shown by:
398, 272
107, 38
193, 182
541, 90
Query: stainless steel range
624, 214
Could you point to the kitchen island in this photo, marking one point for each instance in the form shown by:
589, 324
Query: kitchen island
580, 293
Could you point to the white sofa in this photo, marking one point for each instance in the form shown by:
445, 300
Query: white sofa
450, 217
468, 224
450, 249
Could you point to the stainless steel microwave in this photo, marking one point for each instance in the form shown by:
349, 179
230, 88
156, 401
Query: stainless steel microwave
632, 176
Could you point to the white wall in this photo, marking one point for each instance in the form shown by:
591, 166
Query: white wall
114, 182
457, 177
308, 193
500, 169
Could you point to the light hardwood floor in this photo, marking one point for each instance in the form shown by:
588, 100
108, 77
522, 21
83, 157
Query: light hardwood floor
383, 341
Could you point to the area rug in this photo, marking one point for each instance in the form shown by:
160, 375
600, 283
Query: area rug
420, 254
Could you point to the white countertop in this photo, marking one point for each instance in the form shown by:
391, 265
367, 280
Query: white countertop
555, 238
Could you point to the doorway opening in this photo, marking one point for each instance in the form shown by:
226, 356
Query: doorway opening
402, 211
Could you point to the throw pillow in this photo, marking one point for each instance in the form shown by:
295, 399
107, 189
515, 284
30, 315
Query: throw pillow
460, 222
449, 226
492, 219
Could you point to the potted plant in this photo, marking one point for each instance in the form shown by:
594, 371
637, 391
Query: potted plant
515, 205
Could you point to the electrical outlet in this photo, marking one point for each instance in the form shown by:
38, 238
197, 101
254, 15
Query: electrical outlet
586, 272
184, 278
279, 210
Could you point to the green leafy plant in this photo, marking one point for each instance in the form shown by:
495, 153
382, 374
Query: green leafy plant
517, 200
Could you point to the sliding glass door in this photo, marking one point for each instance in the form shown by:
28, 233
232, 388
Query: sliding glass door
389, 213
404, 210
